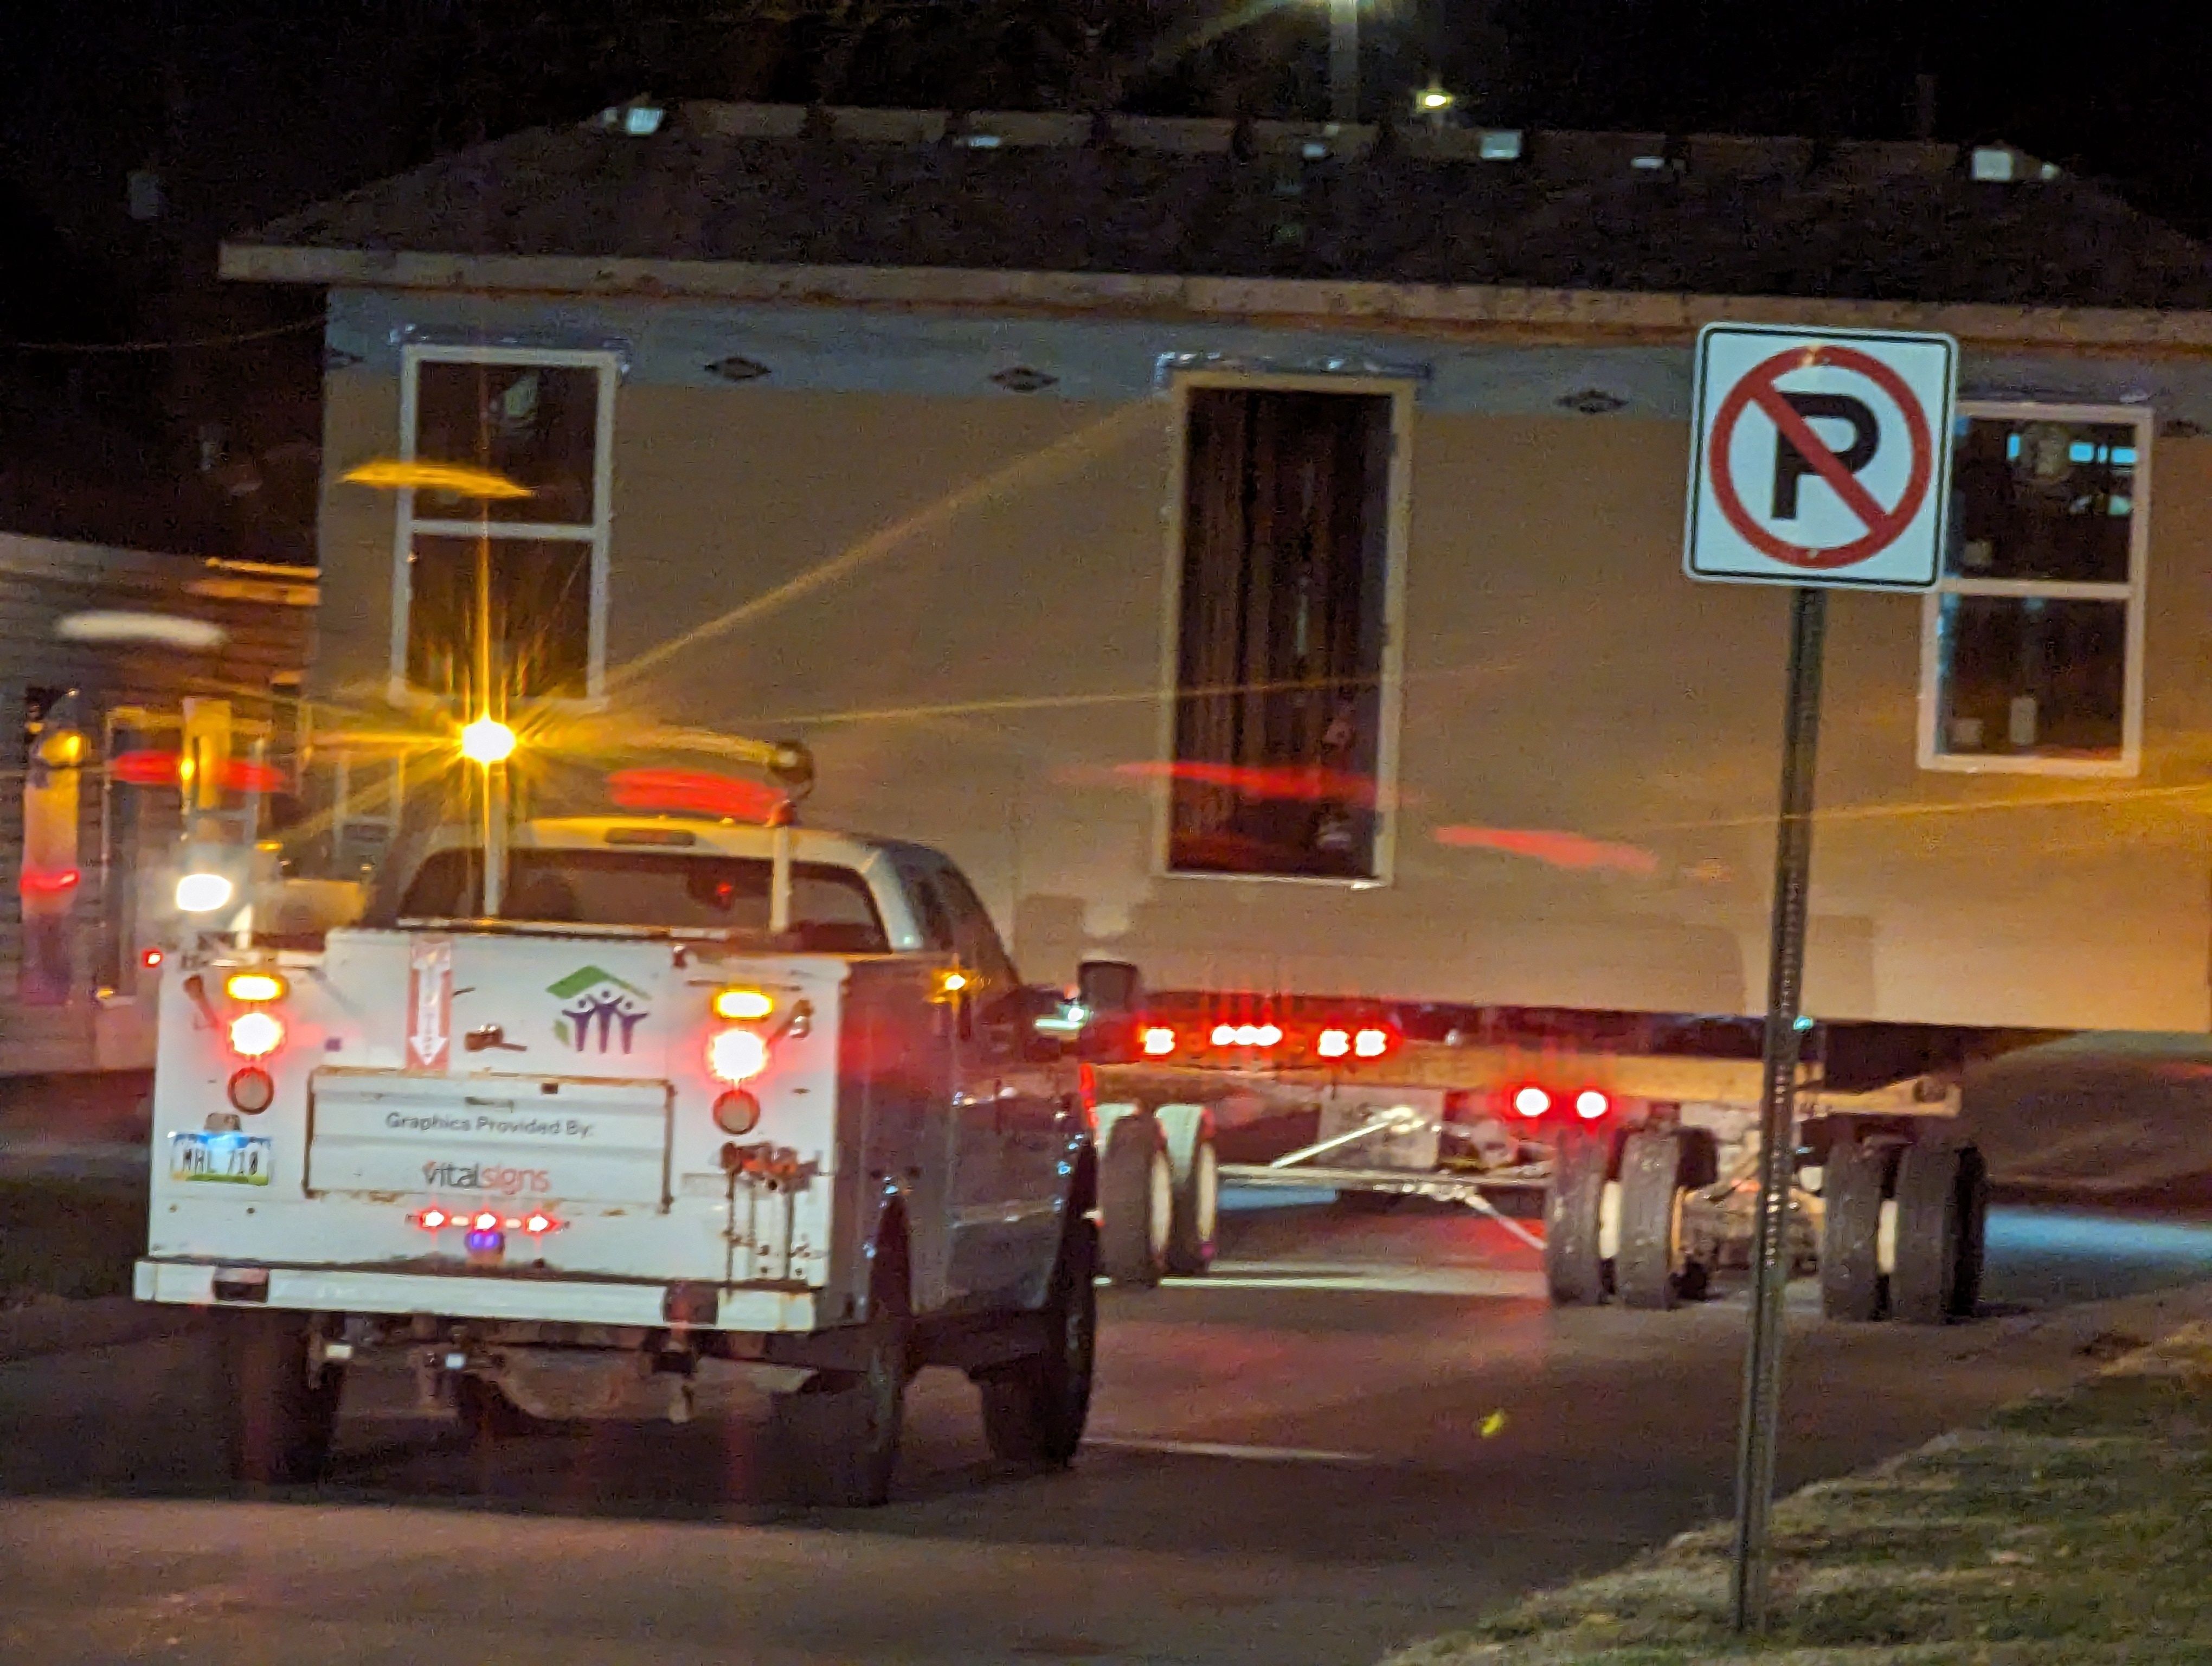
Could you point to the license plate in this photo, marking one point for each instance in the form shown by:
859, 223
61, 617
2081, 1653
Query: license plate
241, 1159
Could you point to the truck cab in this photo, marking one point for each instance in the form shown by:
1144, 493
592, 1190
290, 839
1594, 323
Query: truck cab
697, 1113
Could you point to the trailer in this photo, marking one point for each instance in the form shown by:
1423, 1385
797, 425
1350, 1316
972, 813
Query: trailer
1639, 1158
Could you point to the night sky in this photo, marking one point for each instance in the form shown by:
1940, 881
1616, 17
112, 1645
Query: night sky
246, 109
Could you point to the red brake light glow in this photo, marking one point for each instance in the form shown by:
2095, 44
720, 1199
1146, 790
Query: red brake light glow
256, 1034
1531, 1102
736, 1056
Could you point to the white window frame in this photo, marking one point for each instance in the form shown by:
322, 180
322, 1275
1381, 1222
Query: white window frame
407, 526
1398, 514
2130, 760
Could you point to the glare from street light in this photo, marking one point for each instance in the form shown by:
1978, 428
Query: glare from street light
486, 741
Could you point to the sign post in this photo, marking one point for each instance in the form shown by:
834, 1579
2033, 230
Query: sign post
1775, 500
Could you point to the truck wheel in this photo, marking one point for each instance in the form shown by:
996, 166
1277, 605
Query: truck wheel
1655, 1169
1034, 1412
838, 1438
1574, 1204
1933, 1184
280, 1425
1136, 1201
1855, 1181
1973, 1231
1197, 1208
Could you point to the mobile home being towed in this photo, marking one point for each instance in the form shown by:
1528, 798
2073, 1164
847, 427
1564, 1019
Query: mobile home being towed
1255, 552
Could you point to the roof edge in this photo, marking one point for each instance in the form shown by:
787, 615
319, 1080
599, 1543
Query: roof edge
1563, 315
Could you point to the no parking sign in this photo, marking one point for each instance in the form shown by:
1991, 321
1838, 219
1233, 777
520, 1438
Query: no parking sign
1821, 457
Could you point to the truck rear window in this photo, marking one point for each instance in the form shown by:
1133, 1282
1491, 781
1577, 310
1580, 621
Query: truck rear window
831, 911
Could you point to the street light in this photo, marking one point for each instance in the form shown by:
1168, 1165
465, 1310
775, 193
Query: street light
486, 741
487, 744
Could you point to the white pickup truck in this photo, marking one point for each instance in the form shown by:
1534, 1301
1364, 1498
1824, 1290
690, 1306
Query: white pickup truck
626, 1151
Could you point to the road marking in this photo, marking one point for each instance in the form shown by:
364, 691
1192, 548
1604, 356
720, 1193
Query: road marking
1217, 1449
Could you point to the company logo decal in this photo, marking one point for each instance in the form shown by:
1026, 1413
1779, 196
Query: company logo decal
484, 1177
602, 1012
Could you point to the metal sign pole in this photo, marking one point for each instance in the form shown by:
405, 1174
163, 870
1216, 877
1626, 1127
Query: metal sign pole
1770, 1262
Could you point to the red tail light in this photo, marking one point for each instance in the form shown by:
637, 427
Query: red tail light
1160, 1041
1531, 1102
1371, 1043
1591, 1105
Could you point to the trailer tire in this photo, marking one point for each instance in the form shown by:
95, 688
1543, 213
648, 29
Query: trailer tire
1197, 1212
1924, 1286
1034, 1412
1136, 1201
1655, 1168
1856, 1181
1574, 1206
837, 1438
279, 1422
1973, 1231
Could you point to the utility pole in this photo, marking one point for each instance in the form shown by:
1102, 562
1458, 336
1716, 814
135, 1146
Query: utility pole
1344, 60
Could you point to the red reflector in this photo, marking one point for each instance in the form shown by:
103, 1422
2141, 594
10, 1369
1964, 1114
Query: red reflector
1531, 1102
50, 881
150, 960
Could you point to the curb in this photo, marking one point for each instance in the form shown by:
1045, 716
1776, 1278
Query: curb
72, 1327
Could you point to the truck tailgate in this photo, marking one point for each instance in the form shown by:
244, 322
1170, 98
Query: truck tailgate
585, 1140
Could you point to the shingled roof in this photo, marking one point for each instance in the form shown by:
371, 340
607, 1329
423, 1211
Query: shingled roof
770, 186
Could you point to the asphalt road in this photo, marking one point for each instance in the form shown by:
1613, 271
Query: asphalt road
1362, 1430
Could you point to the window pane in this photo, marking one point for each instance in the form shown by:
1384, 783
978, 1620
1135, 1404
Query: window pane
541, 615
2038, 499
2030, 677
1279, 706
534, 425
831, 911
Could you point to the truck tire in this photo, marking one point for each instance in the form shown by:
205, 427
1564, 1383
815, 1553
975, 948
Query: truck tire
1923, 1286
1197, 1208
837, 1438
1655, 1168
1574, 1204
1136, 1201
279, 1425
1856, 1181
1034, 1412
1973, 1231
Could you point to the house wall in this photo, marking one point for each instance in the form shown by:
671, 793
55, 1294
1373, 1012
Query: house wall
956, 595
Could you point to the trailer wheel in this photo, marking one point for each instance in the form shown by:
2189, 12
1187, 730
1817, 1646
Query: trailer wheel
1034, 1412
837, 1438
1574, 1206
1655, 1169
1136, 1201
1197, 1210
1937, 1188
279, 1421
1856, 1181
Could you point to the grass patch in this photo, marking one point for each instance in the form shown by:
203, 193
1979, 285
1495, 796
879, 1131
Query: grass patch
69, 1237
2069, 1529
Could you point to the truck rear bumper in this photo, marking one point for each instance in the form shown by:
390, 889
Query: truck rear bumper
460, 1296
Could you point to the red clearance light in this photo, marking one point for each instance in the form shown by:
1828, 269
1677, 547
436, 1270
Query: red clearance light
1531, 1102
486, 1221
1160, 1041
1590, 1105
541, 1223
431, 1220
